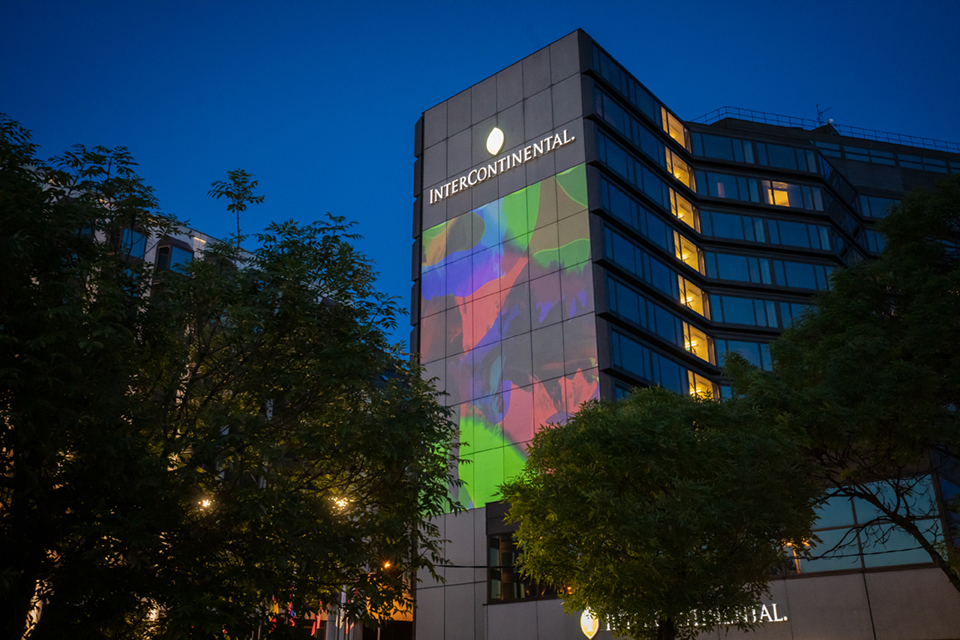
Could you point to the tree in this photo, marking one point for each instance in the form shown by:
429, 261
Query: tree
185, 450
869, 380
660, 512
239, 190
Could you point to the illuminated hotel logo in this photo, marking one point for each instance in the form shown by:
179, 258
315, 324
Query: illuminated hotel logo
495, 141
500, 165
589, 624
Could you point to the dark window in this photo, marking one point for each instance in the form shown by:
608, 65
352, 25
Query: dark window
736, 310
875, 206
756, 353
132, 244
644, 363
505, 582
171, 258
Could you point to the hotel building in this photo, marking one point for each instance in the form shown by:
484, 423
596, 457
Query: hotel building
575, 239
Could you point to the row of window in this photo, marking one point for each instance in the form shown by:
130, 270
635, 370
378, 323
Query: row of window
652, 271
767, 154
722, 266
734, 226
622, 162
637, 96
754, 311
785, 273
630, 304
720, 225
642, 138
729, 186
638, 360
773, 192
889, 158
852, 534
875, 206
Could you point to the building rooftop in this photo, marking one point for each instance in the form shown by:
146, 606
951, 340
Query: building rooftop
813, 125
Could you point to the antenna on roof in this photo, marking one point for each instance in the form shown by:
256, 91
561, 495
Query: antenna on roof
820, 113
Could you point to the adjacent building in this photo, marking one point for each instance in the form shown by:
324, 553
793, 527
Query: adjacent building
575, 239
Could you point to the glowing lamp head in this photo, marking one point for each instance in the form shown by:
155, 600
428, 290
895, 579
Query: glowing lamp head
495, 141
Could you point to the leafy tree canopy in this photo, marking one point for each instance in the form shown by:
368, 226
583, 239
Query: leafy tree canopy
661, 511
182, 450
869, 380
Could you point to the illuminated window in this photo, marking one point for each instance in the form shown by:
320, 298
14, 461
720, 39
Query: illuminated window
784, 194
673, 127
679, 168
691, 296
683, 210
700, 386
698, 343
778, 193
687, 252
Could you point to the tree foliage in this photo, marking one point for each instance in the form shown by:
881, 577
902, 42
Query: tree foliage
869, 380
661, 511
238, 189
183, 450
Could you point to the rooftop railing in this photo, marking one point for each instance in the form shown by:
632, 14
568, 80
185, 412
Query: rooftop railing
808, 124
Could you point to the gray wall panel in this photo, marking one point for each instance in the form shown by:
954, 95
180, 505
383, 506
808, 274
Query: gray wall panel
536, 72
484, 97
509, 86
435, 125
538, 114
564, 57
458, 112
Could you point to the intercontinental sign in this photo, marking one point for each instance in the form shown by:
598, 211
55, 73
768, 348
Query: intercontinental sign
502, 164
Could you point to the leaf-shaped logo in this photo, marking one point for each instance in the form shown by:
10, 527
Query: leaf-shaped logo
589, 624
495, 141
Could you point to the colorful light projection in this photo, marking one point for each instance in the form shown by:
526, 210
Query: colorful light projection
508, 324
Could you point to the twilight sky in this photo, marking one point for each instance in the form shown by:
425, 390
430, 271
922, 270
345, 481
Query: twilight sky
319, 99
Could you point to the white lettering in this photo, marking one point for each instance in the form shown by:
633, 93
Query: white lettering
500, 165
765, 613
776, 616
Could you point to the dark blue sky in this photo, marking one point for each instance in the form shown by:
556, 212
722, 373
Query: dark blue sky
319, 99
